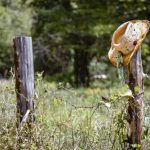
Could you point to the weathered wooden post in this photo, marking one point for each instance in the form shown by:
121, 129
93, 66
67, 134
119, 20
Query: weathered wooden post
126, 52
136, 104
24, 74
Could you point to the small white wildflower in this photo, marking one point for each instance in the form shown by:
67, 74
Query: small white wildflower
108, 105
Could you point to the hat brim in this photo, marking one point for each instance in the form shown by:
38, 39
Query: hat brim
113, 53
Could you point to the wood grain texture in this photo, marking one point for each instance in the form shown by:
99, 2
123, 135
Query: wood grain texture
24, 73
136, 104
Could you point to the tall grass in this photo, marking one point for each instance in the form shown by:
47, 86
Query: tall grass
68, 119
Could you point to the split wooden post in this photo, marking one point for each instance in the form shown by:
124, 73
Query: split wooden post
24, 74
136, 104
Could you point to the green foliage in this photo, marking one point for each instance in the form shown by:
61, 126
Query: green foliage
120, 68
86, 26
136, 88
68, 118
66, 78
97, 67
60, 27
137, 146
73, 25
15, 20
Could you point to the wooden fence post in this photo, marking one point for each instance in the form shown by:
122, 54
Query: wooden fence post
136, 104
24, 74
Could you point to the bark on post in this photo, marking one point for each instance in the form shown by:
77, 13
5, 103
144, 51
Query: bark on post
24, 74
136, 104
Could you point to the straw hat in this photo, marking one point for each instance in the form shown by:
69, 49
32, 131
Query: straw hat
127, 39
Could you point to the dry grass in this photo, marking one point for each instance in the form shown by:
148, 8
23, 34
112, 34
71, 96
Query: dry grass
66, 118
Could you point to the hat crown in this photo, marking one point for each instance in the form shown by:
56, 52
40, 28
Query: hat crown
127, 38
126, 41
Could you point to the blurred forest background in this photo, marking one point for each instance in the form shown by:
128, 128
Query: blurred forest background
71, 38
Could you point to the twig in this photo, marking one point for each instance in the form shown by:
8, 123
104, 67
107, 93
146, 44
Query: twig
76, 107
24, 119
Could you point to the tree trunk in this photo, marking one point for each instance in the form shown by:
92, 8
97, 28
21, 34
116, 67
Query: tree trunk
81, 70
136, 104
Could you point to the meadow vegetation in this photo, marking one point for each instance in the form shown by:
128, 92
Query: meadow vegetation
70, 119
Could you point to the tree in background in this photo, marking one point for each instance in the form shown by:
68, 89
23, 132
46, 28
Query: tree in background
15, 20
75, 26
67, 34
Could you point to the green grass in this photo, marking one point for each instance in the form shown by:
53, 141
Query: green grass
67, 118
